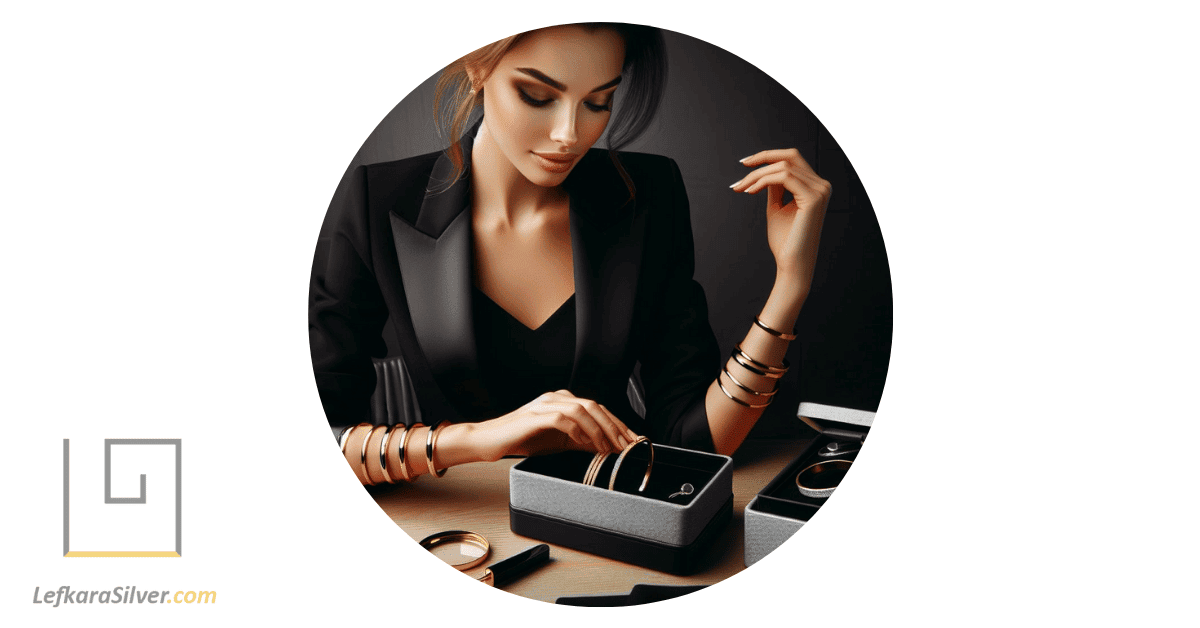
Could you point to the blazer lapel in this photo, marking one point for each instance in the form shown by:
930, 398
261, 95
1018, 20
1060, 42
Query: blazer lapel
435, 267
606, 239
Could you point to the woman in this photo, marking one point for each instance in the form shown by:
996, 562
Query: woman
525, 274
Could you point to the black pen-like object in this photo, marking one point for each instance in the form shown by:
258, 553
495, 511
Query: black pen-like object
515, 566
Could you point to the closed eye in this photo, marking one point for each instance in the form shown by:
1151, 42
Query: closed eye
531, 101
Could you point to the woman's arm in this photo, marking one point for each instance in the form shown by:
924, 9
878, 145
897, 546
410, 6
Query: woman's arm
555, 421
793, 234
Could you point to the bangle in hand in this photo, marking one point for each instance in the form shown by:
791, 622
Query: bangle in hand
363, 458
387, 434
430, 445
777, 334
756, 367
404, 451
612, 479
593, 469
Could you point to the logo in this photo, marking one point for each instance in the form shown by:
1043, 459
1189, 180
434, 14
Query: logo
109, 521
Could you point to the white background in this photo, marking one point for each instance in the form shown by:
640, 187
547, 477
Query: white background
1032, 164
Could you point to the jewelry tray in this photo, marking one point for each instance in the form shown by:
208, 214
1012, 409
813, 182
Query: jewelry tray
779, 510
548, 501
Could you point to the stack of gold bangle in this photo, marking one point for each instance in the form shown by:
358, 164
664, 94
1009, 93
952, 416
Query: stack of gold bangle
405, 471
758, 368
593, 471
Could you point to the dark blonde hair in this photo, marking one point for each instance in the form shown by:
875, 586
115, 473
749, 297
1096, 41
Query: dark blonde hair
643, 75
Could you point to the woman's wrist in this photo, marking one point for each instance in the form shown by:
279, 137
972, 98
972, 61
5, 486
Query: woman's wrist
789, 286
461, 443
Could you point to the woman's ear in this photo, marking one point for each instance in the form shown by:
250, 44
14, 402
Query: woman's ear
473, 75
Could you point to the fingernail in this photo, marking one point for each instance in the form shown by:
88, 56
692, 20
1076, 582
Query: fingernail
743, 159
738, 182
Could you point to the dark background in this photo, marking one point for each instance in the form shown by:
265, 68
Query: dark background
717, 109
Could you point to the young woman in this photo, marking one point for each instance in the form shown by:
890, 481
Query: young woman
524, 274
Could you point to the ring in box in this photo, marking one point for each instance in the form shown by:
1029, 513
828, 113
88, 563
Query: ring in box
782, 507
662, 528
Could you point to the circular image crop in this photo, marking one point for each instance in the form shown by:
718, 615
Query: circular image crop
601, 314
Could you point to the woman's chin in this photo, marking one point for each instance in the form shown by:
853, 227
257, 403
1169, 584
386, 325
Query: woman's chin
540, 177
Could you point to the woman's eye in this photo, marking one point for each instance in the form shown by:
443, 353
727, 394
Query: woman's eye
531, 101
599, 108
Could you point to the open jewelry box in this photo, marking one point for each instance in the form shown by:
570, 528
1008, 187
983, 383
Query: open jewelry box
780, 508
658, 528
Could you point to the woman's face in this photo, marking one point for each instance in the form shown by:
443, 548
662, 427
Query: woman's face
549, 98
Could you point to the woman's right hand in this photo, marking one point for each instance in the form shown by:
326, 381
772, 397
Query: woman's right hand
553, 422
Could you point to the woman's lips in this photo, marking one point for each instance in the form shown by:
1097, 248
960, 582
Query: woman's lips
557, 163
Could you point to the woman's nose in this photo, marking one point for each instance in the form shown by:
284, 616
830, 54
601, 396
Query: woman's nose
564, 128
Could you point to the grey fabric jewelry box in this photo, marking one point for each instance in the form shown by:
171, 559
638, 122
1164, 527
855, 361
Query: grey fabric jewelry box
624, 524
778, 511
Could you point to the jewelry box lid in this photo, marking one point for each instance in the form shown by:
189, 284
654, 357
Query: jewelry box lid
835, 420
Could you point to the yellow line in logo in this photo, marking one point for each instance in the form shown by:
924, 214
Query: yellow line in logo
122, 554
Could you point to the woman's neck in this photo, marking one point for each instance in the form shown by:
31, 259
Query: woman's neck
500, 192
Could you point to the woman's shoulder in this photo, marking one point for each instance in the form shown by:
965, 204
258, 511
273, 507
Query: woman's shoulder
416, 168
649, 174
645, 163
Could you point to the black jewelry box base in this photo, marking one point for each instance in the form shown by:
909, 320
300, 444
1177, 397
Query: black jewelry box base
673, 559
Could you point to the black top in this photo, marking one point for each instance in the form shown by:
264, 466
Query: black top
519, 363
395, 253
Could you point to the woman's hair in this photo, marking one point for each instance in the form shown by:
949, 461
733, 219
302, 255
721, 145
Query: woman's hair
642, 78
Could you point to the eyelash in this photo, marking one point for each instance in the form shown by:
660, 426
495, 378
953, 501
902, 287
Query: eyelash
533, 102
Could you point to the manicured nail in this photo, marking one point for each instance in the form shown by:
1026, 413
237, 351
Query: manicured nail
743, 159
738, 183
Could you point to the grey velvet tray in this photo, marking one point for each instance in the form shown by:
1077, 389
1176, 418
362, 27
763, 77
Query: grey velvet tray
775, 514
552, 486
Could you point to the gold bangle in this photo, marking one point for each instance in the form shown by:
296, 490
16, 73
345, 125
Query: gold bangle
363, 457
408, 476
777, 334
593, 469
459, 536
430, 443
345, 441
756, 367
836, 468
345, 436
746, 388
387, 434
612, 479
739, 401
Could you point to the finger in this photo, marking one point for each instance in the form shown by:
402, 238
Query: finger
587, 423
560, 422
749, 179
800, 188
780, 179
608, 422
774, 197
790, 155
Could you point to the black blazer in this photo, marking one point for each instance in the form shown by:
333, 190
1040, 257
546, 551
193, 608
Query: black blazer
396, 252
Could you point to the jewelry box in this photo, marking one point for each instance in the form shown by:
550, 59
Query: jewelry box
660, 527
782, 507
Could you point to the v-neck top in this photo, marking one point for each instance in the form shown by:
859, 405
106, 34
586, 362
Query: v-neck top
519, 363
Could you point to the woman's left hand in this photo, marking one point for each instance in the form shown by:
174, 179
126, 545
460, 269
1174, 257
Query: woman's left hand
793, 230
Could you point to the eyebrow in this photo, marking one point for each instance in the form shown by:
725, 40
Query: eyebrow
561, 87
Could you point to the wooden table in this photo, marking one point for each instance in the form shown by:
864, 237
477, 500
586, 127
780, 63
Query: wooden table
475, 497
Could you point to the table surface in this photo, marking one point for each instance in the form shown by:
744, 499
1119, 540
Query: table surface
475, 497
